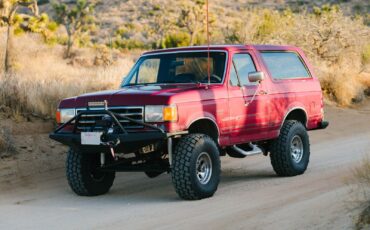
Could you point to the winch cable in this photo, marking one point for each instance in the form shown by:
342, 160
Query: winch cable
208, 45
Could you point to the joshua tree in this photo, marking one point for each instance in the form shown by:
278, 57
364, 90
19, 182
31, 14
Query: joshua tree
76, 17
192, 18
8, 9
162, 25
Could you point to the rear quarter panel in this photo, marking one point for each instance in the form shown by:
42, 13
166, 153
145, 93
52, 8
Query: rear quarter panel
289, 94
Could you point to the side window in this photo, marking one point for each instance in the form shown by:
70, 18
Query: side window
244, 65
148, 71
285, 65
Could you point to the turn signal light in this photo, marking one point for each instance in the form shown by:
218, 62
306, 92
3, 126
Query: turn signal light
170, 113
58, 117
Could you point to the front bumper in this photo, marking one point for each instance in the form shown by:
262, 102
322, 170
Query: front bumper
125, 142
128, 143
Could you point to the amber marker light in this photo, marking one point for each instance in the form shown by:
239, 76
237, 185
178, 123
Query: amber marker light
57, 117
170, 113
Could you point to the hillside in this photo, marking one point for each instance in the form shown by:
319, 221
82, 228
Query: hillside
141, 15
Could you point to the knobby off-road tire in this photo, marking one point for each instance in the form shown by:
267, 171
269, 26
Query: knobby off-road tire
290, 152
82, 176
196, 167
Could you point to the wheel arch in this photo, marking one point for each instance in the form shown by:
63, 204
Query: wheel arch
296, 113
206, 126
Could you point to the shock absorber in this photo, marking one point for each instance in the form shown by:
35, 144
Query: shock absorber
102, 159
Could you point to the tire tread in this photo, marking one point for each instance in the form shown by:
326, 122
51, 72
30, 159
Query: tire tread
280, 161
78, 178
181, 173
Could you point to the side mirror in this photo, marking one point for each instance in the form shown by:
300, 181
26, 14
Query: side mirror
256, 76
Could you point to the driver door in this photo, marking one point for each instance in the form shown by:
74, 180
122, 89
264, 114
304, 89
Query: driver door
249, 117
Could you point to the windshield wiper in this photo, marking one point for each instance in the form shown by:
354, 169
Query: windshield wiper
141, 84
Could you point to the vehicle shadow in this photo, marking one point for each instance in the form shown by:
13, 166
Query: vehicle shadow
237, 175
139, 189
158, 190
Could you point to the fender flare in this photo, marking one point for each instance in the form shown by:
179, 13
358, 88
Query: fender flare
205, 118
291, 110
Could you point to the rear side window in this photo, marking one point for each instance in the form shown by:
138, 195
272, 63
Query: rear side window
285, 65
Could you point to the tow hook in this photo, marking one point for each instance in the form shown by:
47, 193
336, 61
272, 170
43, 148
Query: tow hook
111, 145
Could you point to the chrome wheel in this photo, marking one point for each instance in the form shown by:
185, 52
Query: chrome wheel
204, 168
296, 149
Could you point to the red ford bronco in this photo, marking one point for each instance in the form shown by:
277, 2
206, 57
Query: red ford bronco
179, 110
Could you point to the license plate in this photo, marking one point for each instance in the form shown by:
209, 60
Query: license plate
90, 138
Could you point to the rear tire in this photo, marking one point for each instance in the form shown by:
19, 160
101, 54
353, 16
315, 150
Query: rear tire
83, 176
290, 152
196, 167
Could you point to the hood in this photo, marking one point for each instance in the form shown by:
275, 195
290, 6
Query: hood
131, 95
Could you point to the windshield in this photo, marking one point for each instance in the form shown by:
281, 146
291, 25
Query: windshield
177, 68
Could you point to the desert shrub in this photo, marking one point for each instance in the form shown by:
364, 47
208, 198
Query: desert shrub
176, 40
126, 31
267, 25
157, 7
162, 26
120, 43
124, 38
366, 55
43, 25
42, 81
361, 181
6, 143
329, 42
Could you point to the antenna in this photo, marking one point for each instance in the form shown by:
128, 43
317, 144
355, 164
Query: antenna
208, 46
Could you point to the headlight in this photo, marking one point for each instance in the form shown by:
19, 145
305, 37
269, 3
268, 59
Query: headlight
160, 113
64, 115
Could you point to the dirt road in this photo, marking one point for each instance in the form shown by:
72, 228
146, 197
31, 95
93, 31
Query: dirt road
250, 196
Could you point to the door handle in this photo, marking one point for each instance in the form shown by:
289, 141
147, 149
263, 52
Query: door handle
262, 92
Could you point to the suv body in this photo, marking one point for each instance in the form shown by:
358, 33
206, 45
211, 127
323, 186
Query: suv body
178, 110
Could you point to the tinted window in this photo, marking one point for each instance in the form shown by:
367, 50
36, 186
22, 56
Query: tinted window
174, 68
244, 65
285, 65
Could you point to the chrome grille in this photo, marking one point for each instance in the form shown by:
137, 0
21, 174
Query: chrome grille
87, 121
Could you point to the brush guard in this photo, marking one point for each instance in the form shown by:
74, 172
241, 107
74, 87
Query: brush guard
114, 136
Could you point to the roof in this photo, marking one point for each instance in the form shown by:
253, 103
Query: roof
226, 48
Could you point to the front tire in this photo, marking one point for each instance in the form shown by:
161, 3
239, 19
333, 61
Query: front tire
196, 167
83, 176
290, 152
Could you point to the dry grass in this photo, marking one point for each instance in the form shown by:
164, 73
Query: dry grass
361, 182
361, 176
6, 143
41, 78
